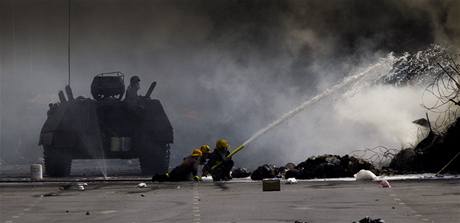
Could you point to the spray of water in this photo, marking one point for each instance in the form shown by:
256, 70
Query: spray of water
102, 166
351, 81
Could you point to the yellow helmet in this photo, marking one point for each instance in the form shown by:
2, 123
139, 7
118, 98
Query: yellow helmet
205, 149
222, 144
197, 153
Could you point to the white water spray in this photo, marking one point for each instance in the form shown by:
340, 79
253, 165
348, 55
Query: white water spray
354, 79
102, 166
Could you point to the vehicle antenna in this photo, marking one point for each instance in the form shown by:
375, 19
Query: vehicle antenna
68, 41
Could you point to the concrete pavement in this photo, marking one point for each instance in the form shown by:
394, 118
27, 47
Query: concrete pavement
407, 201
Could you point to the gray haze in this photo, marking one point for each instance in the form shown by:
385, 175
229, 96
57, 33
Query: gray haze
224, 68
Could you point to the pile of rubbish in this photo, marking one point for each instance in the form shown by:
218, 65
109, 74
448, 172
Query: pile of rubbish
324, 166
432, 154
240, 173
265, 171
436, 68
329, 166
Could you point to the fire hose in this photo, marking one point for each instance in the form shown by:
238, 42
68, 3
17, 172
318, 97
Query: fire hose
230, 155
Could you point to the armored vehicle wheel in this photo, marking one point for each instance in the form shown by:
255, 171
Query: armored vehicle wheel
57, 162
154, 159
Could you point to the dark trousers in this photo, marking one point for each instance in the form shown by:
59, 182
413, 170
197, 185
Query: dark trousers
222, 172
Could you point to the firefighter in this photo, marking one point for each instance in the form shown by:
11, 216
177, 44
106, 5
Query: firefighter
186, 171
206, 151
219, 165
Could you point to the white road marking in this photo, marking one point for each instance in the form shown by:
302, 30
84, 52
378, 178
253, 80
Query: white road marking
196, 204
108, 212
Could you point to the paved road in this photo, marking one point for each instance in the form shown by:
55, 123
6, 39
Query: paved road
407, 201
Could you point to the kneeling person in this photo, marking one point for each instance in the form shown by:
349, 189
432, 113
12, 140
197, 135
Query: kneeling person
219, 166
186, 171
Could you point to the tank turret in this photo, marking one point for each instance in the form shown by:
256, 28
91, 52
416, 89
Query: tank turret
107, 85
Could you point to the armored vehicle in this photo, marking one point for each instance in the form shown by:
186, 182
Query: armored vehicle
106, 127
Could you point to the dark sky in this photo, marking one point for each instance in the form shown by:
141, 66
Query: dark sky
224, 68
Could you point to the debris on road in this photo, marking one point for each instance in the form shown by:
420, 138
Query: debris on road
367, 219
240, 173
385, 184
431, 154
142, 185
439, 150
74, 186
329, 166
264, 171
51, 194
87, 213
81, 186
291, 181
365, 175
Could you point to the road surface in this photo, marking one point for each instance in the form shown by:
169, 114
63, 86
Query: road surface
407, 201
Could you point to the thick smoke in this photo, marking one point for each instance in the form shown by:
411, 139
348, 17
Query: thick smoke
224, 68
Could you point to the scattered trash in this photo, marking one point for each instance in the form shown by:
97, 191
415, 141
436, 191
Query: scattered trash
51, 194
328, 166
290, 166
294, 173
264, 171
142, 195
142, 185
291, 181
66, 211
240, 173
87, 212
81, 186
178, 187
74, 186
365, 175
385, 184
367, 219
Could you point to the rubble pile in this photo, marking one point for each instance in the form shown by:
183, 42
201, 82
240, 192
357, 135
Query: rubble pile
265, 171
240, 173
370, 220
438, 68
431, 154
329, 166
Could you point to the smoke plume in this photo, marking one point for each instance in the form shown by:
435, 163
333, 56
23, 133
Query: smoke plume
224, 68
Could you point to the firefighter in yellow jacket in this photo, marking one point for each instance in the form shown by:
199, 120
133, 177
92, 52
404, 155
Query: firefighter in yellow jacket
219, 165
